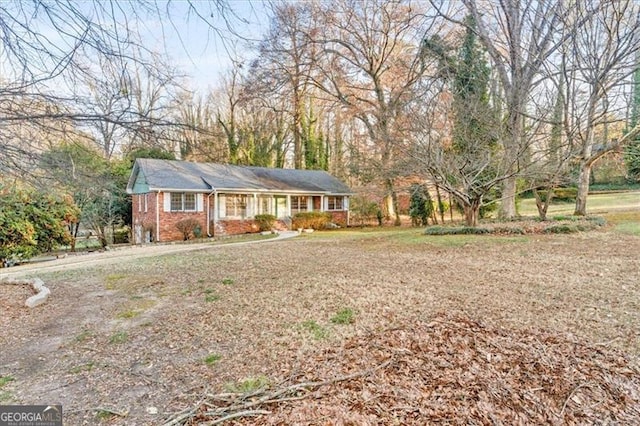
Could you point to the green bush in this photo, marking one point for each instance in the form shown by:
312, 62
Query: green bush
565, 194
32, 223
265, 221
364, 211
311, 220
121, 236
188, 227
564, 228
455, 230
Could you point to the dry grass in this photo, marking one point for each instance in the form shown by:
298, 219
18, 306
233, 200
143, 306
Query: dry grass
584, 285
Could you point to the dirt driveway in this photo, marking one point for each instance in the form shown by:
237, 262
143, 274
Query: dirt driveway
121, 253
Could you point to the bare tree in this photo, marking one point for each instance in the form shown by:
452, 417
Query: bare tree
86, 64
519, 37
285, 64
604, 53
370, 66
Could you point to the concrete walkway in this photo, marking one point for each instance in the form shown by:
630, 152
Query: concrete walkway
126, 253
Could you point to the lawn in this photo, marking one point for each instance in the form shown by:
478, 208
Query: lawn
135, 341
597, 203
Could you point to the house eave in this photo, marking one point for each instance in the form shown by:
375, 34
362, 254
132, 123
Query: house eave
242, 191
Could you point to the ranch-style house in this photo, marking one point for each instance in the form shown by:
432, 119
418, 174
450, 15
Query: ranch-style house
224, 199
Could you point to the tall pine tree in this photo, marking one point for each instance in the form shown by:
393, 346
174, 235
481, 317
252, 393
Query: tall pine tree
632, 151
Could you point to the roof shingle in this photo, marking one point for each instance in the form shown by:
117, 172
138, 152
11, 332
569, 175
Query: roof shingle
189, 176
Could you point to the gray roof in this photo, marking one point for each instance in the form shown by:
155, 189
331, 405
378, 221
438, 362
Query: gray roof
153, 175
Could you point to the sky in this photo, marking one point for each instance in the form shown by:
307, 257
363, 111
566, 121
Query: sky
202, 49
197, 36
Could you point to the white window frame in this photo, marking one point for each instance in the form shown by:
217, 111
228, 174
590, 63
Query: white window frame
300, 206
261, 201
335, 199
182, 201
234, 208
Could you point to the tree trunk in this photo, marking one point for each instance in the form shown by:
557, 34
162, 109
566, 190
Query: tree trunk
440, 205
543, 206
394, 202
583, 189
471, 213
508, 204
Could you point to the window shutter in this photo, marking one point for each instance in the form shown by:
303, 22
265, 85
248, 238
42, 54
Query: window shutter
345, 203
222, 206
166, 196
199, 203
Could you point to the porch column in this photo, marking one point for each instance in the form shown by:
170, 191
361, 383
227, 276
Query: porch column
216, 204
255, 204
322, 206
288, 205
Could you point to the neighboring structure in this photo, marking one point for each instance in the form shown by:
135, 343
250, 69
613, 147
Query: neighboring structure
224, 199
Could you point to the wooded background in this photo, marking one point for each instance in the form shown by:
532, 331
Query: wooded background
479, 100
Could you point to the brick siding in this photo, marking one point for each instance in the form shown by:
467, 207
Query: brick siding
146, 220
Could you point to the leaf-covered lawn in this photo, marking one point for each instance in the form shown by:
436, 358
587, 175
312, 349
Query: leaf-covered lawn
137, 341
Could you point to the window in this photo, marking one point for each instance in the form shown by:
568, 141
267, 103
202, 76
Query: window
335, 203
176, 201
264, 205
181, 201
236, 205
298, 204
146, 202
190, 202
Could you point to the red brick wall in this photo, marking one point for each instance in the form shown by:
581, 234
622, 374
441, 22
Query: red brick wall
235, 227
340, 217
168, 220
146, 219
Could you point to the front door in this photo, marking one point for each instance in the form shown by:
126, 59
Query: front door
281, 207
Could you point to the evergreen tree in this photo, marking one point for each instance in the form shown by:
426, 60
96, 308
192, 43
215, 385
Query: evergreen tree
468, 168
632, 150
420, 205
315, 146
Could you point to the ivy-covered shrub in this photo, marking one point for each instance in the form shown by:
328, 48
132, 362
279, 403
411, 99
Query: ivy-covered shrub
188, 227
33, 222
311, 220
265, 221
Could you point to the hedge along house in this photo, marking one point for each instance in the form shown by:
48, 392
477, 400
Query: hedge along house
224, 199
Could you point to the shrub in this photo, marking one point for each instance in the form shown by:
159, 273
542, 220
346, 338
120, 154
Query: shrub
265, 221
565, 194
420, 205
188, 228
458, 230
561, 229
311, 220
364, 211
121, 236
33, 222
